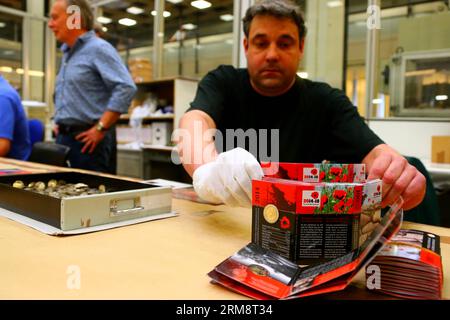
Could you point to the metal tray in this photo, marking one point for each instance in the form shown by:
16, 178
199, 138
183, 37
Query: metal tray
123, 200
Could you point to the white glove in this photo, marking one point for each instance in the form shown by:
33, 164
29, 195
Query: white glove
228, 179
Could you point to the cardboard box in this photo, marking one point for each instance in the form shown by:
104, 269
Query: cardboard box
142, 75
141, 70
139, 61
139, 66
142, 79
440, 149
311, 222
126, 134
162, 133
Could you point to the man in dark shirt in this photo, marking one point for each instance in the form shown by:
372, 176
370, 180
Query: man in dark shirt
315, 121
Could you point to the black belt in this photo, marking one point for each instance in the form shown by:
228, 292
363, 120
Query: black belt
73, 128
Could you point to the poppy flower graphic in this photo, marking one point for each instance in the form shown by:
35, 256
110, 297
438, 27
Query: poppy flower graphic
240, 272
322, 176
315, 195
336, 171
314, 172
339, 194
349, 202
285, 223
339, 207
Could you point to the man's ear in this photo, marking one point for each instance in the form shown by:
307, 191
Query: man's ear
245, 42
302, 45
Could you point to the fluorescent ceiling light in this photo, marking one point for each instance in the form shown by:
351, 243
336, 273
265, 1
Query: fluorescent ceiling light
174, 1
6, 69
442, 98
425, 72
135, 10
189, 26
201, 4
8, 52
226, 17
104, 20
34, 73
377, 101
104, 29
2, 24
334, 4
166, 14
303, 75
127, 22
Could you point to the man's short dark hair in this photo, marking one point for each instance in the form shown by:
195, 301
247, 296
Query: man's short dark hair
277, 8
87, 15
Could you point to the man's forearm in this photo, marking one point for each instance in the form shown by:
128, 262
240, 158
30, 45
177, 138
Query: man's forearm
109, 118
195, 141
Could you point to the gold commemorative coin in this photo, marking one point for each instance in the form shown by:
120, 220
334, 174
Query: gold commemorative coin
271, 213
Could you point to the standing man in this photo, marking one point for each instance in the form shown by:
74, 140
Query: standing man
93, 88
14, 134
315, 121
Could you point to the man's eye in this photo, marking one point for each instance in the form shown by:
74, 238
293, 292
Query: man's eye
284, 45
261, 44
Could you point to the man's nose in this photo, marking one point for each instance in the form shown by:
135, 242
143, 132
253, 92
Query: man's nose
272, 52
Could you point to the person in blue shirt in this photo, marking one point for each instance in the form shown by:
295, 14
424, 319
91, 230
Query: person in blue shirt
14, 135
93, 88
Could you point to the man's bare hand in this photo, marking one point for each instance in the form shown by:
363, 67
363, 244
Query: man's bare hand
56, 130
399, 179
91, 138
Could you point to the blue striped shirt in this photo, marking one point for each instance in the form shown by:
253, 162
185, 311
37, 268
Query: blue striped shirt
92, 79
13, 122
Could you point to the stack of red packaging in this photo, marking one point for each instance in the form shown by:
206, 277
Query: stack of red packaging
409, 266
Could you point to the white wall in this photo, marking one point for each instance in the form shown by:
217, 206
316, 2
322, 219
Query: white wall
410, 138
324, 42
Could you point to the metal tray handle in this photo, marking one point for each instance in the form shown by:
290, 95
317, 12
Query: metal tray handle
125, 206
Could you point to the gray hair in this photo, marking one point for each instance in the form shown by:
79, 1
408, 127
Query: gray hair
279, 9
87, 15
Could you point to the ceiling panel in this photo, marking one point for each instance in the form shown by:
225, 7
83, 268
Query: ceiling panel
208, 20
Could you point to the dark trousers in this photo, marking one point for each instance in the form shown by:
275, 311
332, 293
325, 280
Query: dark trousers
103, 159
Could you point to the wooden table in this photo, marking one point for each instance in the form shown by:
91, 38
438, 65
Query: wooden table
165, 259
